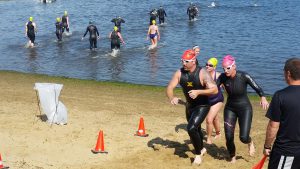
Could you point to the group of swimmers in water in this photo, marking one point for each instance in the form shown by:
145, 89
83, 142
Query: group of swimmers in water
63, 25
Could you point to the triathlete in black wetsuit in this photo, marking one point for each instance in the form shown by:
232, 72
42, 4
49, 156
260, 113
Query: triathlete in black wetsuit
238, 106
94, 35
30, 29
116, 39
196, 84
153, 15
161, 15
65, 21
118, 21
192, 11
59, 29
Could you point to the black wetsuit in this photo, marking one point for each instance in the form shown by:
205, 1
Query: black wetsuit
196, 109
161, 15
238, 107
65, 23
192, 11
93, 35
153, 15
118, 22
30, 32
115, 40
59, 30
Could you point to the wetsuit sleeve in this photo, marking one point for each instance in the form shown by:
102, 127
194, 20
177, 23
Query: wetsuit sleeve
122, 20
219, 81
165, 13
97, 31
113, 20
87, 29
274, 111
254, 85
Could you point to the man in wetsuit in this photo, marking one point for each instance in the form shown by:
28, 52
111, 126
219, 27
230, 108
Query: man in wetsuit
192, 11
161, 15
65, 21
94, 35
59, 29
153, 15
116, 39
284, 115
117, 21
30, 30
238, 106
197, 85
153, 34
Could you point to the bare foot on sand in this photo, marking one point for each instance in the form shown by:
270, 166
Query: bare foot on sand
217, 136
208, 140
251, 149
233, 160
198, 158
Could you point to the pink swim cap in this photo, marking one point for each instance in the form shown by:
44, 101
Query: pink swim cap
188, 55
228, 60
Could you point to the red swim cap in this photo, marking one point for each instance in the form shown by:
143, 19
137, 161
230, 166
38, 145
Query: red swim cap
188, 55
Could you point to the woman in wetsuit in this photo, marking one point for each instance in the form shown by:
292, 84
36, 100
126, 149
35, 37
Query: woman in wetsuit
94, 35
65, 22
30, 30
116, 39
215, 101
238, 106
59, 29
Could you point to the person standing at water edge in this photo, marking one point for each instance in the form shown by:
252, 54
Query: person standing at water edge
94, 35
161, 15
153, 34
215, 101
192, 11
30, 30
118, 21
59, 29
197, 85
65, 21
238, 106
116, 39
284, 115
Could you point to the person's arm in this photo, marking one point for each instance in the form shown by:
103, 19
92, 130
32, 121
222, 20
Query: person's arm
98, 35
122, 20
271, 133
109, 36
148, 33
263, 101
165, 13
26, 29
158, 34
171, 86
87, 29
121, 38
206, 80
188, 11
35, 28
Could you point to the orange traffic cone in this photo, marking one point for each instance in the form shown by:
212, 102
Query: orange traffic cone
141, 131
1, 163
100, 144
260, 164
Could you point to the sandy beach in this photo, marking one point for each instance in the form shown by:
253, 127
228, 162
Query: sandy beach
26, 141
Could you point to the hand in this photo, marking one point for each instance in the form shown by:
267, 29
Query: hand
147, 38
193, 94
264, 103
82, 38
175, 100
267, 151
98, 37
123, 43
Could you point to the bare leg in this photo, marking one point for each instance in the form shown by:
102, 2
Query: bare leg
233, 159
212, 120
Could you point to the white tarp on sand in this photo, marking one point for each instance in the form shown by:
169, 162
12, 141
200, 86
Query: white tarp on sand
54, 109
